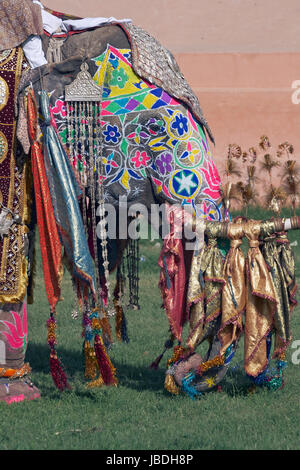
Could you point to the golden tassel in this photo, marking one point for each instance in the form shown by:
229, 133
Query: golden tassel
215, 362
170, 385
91, 365
178, 353
95, 383
107, 370
119, 319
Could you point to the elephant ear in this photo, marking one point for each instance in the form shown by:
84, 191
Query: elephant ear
152, 62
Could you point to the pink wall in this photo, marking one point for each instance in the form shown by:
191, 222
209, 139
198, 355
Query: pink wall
246, 95
239, 56
204, 25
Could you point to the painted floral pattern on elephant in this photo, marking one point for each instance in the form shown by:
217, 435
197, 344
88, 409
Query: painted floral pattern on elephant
147, 133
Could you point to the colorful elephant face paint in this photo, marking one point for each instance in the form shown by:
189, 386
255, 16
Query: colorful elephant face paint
147, 133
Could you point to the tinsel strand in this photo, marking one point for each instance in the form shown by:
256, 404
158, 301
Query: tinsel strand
121, 323
105, 366
56, 368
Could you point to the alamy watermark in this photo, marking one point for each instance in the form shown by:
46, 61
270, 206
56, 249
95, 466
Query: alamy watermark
296, 92
137, 221
2, 352
295, 358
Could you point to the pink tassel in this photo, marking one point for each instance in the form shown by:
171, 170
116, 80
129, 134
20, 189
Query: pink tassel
105, 366
155, 363
168, 344
57, 372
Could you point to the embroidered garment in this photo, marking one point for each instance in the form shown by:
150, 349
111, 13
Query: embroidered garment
14, 191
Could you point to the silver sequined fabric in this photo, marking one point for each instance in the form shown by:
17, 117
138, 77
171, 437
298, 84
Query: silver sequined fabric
156, 64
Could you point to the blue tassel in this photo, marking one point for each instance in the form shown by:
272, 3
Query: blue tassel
260, 380
189, 389
229, 354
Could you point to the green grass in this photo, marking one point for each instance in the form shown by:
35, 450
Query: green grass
139, 414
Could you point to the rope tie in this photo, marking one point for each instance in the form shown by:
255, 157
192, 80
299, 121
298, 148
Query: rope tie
253, 243
235, 243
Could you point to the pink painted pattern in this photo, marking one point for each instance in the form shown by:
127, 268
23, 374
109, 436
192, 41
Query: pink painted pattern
60, 108
213, 181
17, 335
21, 397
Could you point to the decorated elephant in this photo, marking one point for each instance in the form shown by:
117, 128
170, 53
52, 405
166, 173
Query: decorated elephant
104, 116
154, 149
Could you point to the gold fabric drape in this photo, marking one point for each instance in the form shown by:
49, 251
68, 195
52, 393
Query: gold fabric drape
261, 303
205, 287
262, 286
234, 292
279, 257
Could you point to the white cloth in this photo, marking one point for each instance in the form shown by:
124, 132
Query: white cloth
38, 3
33, 51
32, 47
87, 23
51, 23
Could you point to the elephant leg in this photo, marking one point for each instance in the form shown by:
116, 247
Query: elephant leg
15, 384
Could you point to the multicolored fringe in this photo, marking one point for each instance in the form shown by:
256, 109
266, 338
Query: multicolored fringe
217, 361
273, 382
188, 389
105, 366
277, 381
96, 358
179, 352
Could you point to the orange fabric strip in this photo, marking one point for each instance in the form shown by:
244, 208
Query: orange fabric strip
48, 233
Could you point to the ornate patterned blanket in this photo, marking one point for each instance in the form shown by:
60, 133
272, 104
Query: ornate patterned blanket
13, 190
